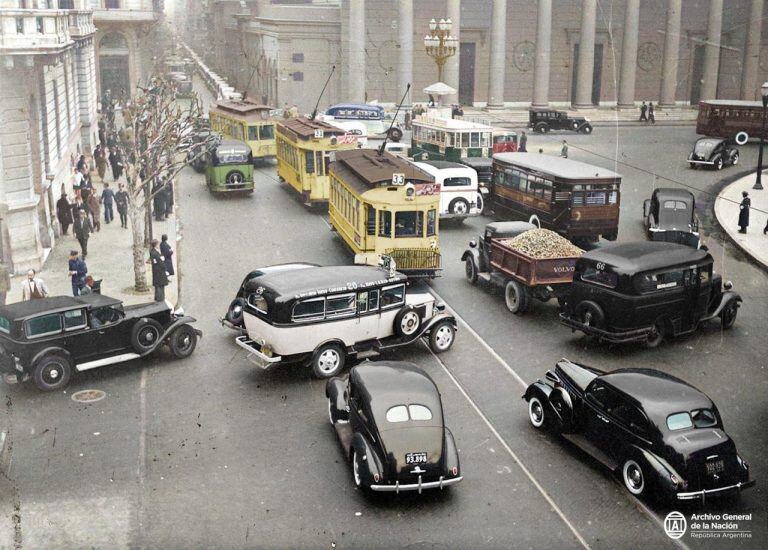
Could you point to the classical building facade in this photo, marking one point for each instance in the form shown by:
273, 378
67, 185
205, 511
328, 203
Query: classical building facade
579, 53
47, 118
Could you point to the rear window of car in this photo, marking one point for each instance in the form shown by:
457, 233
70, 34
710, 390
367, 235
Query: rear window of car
699, 418
44, 325
402, 413
600, 277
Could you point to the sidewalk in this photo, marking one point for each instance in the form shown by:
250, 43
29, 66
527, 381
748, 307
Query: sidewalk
605, 116
753, 243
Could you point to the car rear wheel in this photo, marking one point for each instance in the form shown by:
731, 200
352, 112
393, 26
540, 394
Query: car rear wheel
634, 479
470, 269
541, 127
656, 336
590, 314
586, 129
515, 297
735, 158
459, 207
536, 413
183, 341
407, 322
728, 315
52, 372
145, 335
480, 203
441, 337
328, 361
356, 471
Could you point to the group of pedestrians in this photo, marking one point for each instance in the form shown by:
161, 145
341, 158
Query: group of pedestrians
647, 113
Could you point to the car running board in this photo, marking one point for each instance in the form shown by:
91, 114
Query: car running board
588, 447
107, 361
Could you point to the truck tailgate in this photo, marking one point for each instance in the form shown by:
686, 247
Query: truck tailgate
531, 271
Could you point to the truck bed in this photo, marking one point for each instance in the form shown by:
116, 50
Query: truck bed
531, 271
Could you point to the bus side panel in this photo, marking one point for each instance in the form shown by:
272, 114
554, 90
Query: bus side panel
521, 206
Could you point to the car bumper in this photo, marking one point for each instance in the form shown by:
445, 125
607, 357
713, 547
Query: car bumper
255, 355
704, 494
696, 161
397, 487
635, 335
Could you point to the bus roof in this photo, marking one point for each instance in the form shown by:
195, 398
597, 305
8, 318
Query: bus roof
451, 123
443, 164
731, 103
556, 166
305, 128
364, 169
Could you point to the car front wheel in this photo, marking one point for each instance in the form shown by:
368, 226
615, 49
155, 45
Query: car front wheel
735, 159
183, 341
52, 373
718, 163
536, 413
728, 315
634, 479
470, 269
441, 337
356, 471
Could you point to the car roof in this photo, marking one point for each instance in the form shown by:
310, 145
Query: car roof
319, 281
232, 146
390, 383
645, 256
660, 394
23, 310
714, 140
442, 164
557, 166
673, 193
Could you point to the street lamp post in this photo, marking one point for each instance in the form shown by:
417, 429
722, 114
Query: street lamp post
439, 43
758, 180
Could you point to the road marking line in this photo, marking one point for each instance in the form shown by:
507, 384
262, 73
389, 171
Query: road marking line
511, 452
141, 467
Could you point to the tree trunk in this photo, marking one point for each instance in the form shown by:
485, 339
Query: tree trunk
136, 213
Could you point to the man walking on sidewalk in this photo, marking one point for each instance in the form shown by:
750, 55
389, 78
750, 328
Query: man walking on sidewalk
77, 270
746, 202
643, 110
33, 287
108, 198
64, 213
83, 230
651, 115
121, 200
159, 278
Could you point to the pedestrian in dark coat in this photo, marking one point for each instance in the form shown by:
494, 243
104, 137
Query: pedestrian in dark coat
108, 199
100, 158
116, 162
158, 201
746, 202
121, 200
564, 150
643, 110
168, 198
102, 133
82, 229
159, 277
651, 115
167, 252
86, 185
95, 209
64, 213
523, 148
77, 270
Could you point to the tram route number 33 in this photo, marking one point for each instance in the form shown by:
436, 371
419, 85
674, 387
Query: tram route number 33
398, 179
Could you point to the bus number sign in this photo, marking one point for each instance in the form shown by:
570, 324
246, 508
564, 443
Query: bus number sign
398, 179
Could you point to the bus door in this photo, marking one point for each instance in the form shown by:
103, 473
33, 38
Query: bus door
367, 314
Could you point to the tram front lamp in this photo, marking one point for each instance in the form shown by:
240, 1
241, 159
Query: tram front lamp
410, 190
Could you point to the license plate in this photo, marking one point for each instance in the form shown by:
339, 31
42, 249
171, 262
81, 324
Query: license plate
416, 458
715, 467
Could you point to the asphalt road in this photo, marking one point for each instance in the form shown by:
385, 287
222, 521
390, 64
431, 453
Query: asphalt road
213, 452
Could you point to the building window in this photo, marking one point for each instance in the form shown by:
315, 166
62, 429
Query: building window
20, 25
298, 58
298, 76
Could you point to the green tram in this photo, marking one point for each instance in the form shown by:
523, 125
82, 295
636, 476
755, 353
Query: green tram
441, 138
230, 167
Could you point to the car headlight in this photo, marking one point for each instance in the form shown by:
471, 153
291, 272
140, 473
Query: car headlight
587, 119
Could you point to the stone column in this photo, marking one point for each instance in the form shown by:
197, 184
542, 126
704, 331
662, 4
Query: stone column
671, 55
356, 91
712, 50
629, 55
543, 51
749, 82
405, 38
498, 54
451, 69
586, 66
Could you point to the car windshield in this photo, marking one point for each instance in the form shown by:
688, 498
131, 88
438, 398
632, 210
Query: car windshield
401, 413
699, 418
705, 146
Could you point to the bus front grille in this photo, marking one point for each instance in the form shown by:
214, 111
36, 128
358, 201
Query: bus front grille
414, 258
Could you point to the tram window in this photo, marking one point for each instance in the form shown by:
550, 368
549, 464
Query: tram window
456, 182
319, 163
595, 198
407, 224
524, 183
431, 223
385, 223
370, 220
485, 139
448, 140
613, 197
577, 199
310, 160
474, 139
253, 133
547, 190
267, 131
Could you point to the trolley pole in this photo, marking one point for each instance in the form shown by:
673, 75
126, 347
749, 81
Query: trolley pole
759, 179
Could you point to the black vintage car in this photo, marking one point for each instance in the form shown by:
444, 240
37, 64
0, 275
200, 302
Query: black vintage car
50, 339
389, 420
714, 153
234, 316
662, 436
646, 291
670, 216
544, 120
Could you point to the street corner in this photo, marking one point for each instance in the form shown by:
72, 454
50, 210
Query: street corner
729, 207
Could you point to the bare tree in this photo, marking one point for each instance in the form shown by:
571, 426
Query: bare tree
158, 141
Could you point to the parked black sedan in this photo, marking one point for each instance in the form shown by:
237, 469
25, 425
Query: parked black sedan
544, 120
662, 436
50, 339
389, 419
713, 152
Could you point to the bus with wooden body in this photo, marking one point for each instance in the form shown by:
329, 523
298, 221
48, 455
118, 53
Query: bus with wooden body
246, 121
577, 200
383, 205
731, 119
304, 151
435, 137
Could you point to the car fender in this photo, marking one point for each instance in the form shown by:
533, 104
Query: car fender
334, 391
47, 351
546, 393
451, 455
184, 320
473, 253
727, 297
427, 326
337, 341
658, 466
370, 463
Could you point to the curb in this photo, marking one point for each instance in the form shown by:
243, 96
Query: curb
4, 460
724, 184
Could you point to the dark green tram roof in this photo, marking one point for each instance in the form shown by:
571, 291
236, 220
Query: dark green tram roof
365, 169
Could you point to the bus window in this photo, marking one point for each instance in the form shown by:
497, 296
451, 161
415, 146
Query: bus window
431, 223
547, 190
253, 133
267, 131
595, 198
409, 224
310, 156
385, 223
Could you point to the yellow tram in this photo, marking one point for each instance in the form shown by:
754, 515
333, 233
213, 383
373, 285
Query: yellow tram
246, 121
304, 148
385, 205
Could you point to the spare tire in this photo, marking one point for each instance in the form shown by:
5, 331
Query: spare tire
145, 335
407, 322
235, 312
235, 177
395, 133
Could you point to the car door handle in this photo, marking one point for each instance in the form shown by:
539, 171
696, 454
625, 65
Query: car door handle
604, 419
